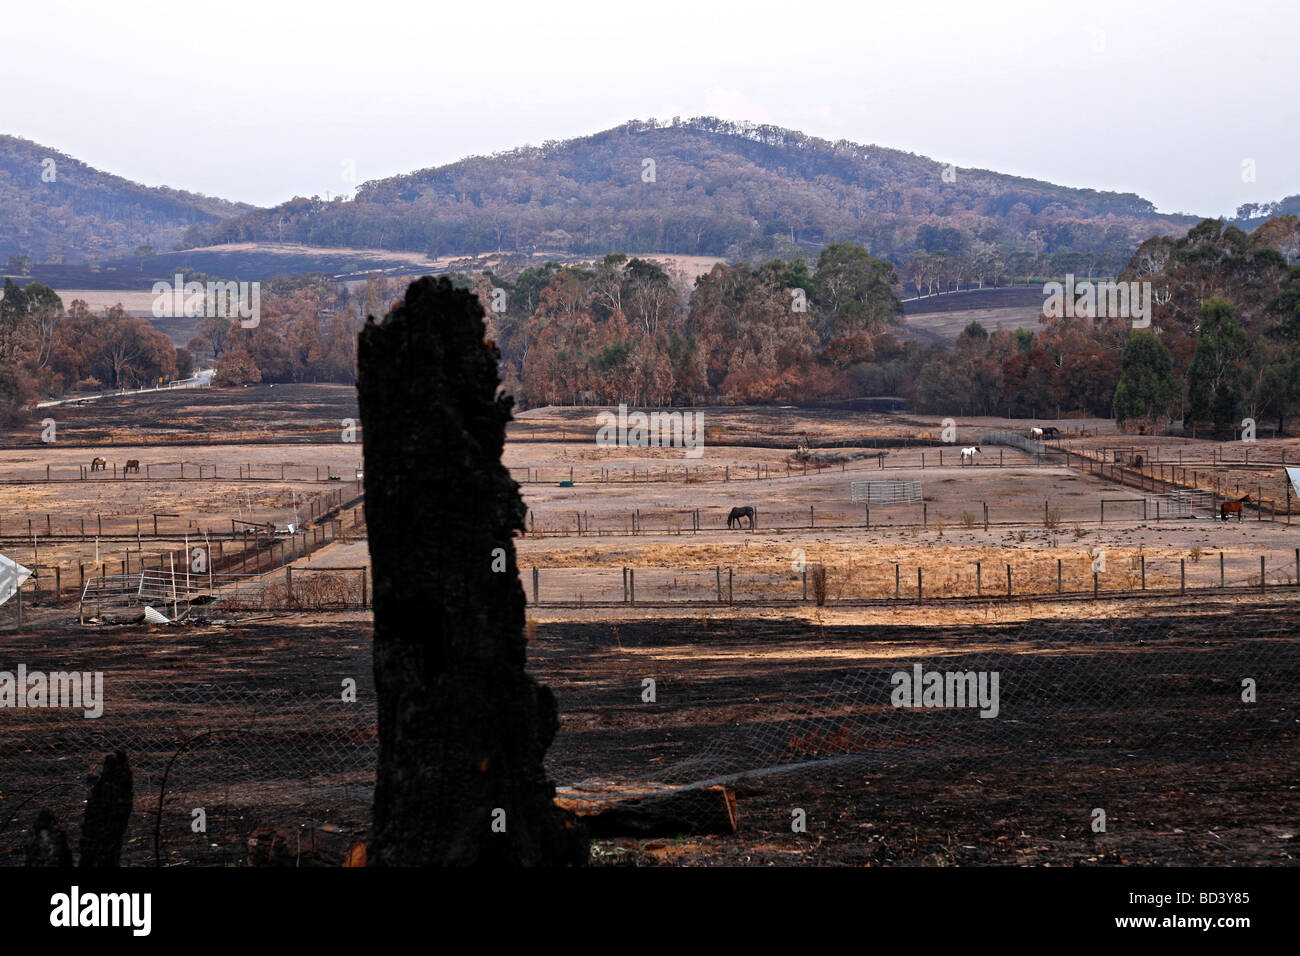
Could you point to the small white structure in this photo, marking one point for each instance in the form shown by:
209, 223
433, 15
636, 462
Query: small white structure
12, 576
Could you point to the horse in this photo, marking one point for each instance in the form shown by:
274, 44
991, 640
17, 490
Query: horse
968, 454
132, 464
733, 519
1137, 461
98, 464
1036, 434
1233, 507
1051, 431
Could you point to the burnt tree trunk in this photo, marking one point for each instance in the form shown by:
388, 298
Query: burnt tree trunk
462, 728
108, 809
48, 845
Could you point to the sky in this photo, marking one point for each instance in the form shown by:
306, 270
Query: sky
1190, 104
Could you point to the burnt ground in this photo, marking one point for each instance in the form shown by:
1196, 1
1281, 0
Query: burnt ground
1141, 719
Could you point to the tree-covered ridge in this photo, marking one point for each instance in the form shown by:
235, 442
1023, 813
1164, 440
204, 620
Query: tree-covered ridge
715, 188
56, 209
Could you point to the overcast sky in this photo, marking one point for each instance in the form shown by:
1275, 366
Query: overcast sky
261, 101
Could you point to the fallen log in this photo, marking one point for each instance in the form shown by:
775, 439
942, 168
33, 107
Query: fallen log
693, 810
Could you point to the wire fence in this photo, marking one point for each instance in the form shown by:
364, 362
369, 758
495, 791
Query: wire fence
212, 764
791, 578
280, 767
951, 743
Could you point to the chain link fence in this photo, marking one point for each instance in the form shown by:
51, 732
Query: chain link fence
1008, 729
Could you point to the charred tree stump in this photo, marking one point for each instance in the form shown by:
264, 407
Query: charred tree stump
108, 808
48, 845
462, 728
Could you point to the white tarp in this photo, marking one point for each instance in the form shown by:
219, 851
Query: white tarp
12, 576
1294, 475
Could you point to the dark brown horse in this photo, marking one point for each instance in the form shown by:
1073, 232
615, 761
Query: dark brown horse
1233, 507
733, 519
132, 464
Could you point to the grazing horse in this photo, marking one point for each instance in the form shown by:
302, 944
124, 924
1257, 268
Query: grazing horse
733, 519
1036, 434
98, 464
1233, 507
968, 454
1051, 431
132, 464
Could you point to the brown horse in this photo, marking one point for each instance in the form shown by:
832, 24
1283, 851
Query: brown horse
133, 464
1233, 507
98, 464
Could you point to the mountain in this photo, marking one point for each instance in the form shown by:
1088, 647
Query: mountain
710, 187
57, 209
1251, 215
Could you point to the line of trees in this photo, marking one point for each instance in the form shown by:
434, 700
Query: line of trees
1222, 344
46, 350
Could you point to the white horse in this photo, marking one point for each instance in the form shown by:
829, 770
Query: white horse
968, 454
1036, 434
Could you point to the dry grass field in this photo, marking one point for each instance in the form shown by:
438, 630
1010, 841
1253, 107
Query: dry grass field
721, 620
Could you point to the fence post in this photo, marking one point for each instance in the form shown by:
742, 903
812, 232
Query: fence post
1143, 559
1058, 577
729, 592
1008, 581
288, 584
1261, 574
979, 586
534, 586
986, 516
896, 582
805, 581
631, 585
918, 585
717, 576
1094, 585
1182, 576
625, 585
1220, 569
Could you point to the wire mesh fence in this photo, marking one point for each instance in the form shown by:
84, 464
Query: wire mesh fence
785, 715
211, 762
1006, 730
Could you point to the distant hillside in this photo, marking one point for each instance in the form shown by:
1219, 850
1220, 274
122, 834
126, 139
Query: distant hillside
715, 188
54, 208
1252, 214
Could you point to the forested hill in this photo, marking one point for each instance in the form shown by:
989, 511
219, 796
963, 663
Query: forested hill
54, 208
711, 187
